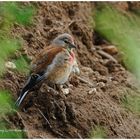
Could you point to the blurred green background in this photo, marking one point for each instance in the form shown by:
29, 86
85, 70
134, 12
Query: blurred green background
123, 30
11, 13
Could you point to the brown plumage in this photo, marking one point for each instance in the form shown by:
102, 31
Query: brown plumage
45, 58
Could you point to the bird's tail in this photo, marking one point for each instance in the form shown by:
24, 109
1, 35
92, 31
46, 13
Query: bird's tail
21, 98
32, 81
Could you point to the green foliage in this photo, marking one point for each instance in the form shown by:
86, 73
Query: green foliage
122, 30
2, 67
22, 64
98, 132
7, 107
16, 12
7, 48
5, 102
10, 133
11, 13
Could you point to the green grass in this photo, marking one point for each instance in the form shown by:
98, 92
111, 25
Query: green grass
11, 13
6, 102
122, 30
14, 12
7, 48
22, 64
5, 132
7, 107
97, 133
8, 134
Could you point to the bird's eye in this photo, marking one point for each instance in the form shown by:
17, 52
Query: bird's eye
66, 41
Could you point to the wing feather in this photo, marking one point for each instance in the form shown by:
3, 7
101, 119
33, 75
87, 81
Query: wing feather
45, 58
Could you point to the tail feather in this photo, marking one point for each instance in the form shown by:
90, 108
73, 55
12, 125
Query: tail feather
32, 81
20, 99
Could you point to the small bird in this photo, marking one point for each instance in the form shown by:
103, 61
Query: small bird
54, 64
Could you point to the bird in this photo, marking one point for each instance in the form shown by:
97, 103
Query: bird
54, 64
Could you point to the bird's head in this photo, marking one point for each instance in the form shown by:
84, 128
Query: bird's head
65, 40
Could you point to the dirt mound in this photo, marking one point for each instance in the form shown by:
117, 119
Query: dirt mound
96, 95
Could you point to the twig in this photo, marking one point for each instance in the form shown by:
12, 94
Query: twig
56, 132
85, 81
104, 54
4, 117
20, 118
66, 27
45, 118
27, 132
79, 136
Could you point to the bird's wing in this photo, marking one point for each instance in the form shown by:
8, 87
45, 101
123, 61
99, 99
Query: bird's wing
45, 58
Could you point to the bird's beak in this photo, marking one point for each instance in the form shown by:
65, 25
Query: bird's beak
72, 45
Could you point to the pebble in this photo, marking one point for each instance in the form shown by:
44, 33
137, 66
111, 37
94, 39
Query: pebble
93, 90
10, 65
66, 91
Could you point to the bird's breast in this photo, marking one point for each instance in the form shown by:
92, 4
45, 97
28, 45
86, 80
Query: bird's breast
59, 70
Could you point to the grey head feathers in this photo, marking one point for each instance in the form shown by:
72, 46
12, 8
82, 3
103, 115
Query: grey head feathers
64, 40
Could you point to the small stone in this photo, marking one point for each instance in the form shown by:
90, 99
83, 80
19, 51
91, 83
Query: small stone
10, 65
110, 79
93, 90
66, 91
